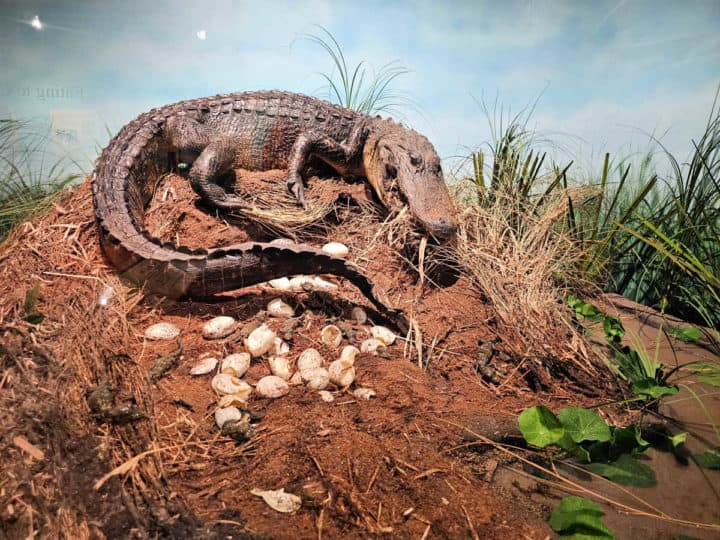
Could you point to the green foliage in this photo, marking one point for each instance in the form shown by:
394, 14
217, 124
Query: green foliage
625, 470
583, 425
354, 88
709, 459
578, 518
706, 372
685, 333
540, 426
27, 184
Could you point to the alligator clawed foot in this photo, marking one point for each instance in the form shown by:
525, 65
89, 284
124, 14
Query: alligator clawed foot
297, 189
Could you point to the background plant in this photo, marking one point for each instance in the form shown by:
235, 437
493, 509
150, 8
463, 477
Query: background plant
30, 174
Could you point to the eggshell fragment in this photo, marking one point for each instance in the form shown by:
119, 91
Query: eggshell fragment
336, 249
280, 348
372, 346
278, 308
260, 340
331, 335
279, 500
272, 386
223, 383
364, 393
280, 367
219, 327
301, 283
162, 330
383, 334
204, 366
341, 372
321, 284
235, 364
349, 353
326, 396
224, 415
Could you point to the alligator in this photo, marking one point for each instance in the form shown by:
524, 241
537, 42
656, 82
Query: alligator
257, 131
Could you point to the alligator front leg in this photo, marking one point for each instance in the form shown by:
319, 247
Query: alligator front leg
216, 155
217, 158
344, 157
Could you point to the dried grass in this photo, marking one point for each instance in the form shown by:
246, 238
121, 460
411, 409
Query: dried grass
514, 257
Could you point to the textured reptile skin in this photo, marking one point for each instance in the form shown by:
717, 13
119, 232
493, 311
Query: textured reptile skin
259, 131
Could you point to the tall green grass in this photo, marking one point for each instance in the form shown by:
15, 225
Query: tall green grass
369, 92
30, 174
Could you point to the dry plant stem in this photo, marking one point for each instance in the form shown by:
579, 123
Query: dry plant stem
577, 488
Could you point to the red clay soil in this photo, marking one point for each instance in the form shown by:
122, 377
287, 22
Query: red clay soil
402, 464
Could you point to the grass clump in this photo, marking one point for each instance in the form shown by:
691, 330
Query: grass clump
30, 177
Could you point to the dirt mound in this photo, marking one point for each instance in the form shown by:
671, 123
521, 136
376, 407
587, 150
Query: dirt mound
399, 464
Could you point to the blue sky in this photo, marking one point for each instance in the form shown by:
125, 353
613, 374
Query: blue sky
607, 73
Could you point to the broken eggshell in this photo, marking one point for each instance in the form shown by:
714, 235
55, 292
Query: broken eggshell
326, 396
204, 366
321, 284
224, 383
280, 367
219, 327
260, 340
341, 372
349, 353
383, 334
372, 346
281, 284
364, 393
224, 415
331, 335
280, 348
272, 386
235, 364
278, 308
279, 500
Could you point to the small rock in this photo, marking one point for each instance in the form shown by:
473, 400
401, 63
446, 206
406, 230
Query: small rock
219, 327
272, 387
162, 330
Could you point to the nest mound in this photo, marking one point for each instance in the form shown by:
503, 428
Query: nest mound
396, 464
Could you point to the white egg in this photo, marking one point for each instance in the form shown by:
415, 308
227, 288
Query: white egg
383, 334
342, 373
260, 340
223, 415
219, 327
336, 249
308, 359
331, 335
272, 387
162, 330
278, 308
204, 366
372, 346
236, 364
280, 367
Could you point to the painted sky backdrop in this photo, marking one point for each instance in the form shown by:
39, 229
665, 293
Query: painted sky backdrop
606, 72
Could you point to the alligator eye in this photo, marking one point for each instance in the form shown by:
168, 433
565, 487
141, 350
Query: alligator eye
391, 171
415, 160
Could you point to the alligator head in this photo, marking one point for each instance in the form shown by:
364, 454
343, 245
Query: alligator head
398, 160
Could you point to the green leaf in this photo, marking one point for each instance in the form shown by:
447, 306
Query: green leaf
678, 439
709, 459
707, 372
579, 518
540, 426
614, 329
628, 440
685, 333
573, 448
584, 425
649, 388
626, 471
